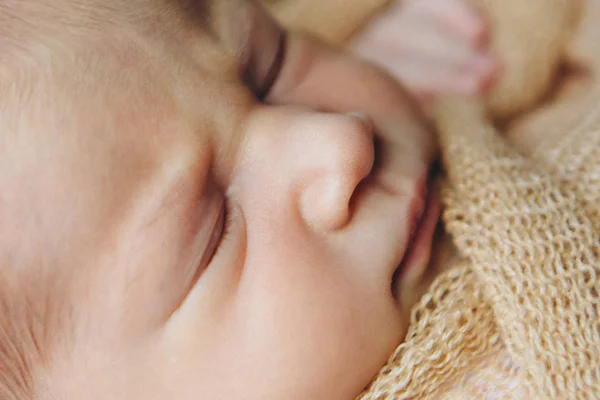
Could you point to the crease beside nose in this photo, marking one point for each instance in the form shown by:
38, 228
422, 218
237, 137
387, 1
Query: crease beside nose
346, 159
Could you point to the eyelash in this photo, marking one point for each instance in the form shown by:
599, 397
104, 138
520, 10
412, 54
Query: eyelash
226, 227
275, 69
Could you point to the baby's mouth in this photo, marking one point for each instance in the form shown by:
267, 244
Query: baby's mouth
418, 247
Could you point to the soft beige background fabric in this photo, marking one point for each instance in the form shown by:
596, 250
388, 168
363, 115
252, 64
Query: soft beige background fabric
516, 315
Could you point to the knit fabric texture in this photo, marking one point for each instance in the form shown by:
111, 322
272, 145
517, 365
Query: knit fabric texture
515, 315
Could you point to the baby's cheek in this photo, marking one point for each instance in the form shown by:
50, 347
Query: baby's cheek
304, 331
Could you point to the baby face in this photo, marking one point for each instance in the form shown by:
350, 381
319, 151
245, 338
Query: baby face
189, 238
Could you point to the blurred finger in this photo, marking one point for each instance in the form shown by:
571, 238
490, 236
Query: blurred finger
426, 78
459, 19
419, 37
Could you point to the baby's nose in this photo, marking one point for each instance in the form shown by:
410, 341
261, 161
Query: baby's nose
341, 156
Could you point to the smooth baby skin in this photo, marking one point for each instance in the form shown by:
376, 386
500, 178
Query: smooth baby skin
188, 211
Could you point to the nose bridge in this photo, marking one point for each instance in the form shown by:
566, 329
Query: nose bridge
348, 148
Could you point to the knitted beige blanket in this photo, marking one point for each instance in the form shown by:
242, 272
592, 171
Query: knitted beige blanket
516, 315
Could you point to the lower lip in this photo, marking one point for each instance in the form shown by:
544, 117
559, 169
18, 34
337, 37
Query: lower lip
419, 249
